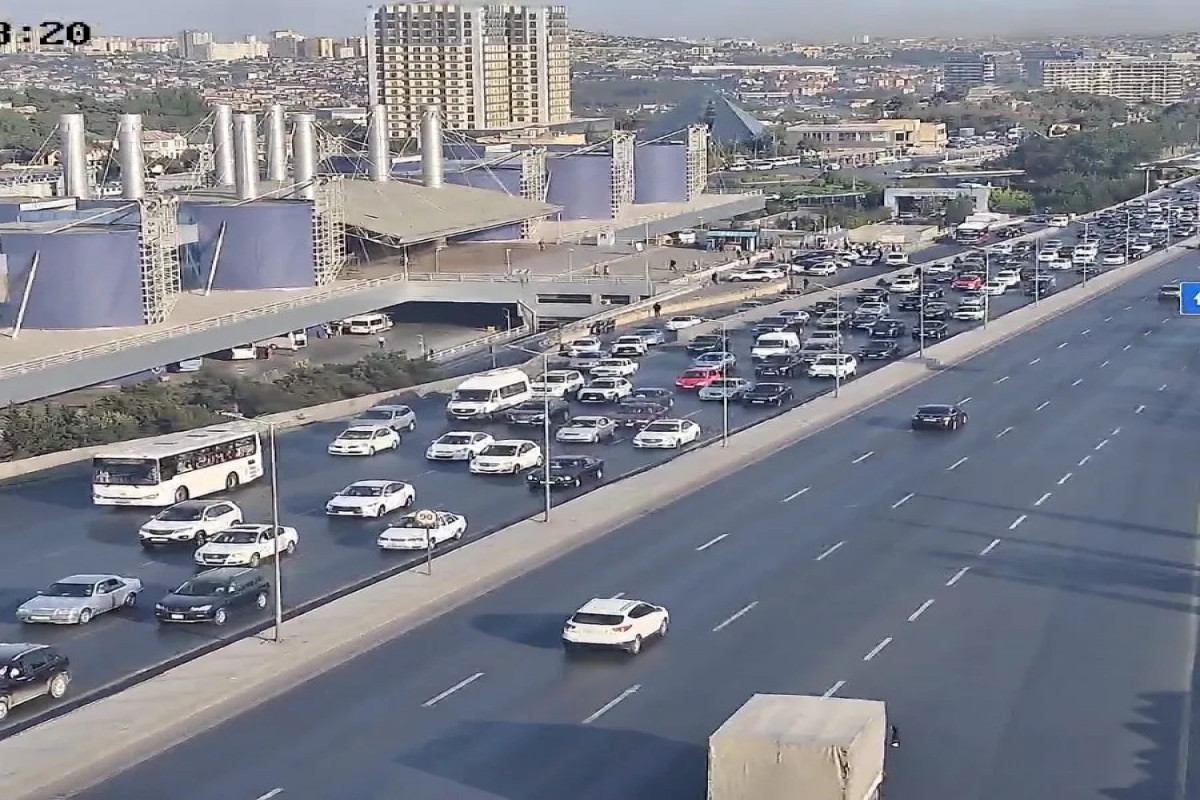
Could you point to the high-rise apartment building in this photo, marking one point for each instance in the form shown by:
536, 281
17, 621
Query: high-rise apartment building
1134, 80
963, 71
485, 66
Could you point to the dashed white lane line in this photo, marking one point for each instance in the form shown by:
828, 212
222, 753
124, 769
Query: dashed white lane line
1139, 409
958, 463
1127, 308
1101, 445
1064, 344
830, 551
863, 457
877, 649
611, 704
711, 542
794, 495
1165, 321
958, 576
1077, 381
1043, 405
464, 683
903, 500
1146, 333
691, 414
1016, 523
1083, 461
1115, 431
1104, 363
1085, 331
1036, 360
1065, 478
271, 794
1162, 388
743, 612
1043, 498
1004, 432
1001, 379
1108, 319
964, 401
914, 616
832, 690
992, 545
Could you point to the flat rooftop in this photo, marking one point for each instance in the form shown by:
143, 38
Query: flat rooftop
707, 208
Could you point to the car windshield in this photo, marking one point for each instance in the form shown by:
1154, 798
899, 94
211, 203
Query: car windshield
531, 405
408, 522
181, 513
877, 345
662, 427
236, 537
638, 408
500, 450
834, 359
551, 378
724, 383
697, 373
381, 415
361, 491
610, 620
612, 362
584, 422
768, 388
455, 439
201, 587
706, 339
604, 383
353, 434
934, 410
565, 463
68, 590
472, 395
125, 471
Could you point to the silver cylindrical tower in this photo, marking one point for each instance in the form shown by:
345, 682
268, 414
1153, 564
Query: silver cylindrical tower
276, 145
433, 170
223, 146
378, 158
304, 155
131, 157
73, 153
245, 155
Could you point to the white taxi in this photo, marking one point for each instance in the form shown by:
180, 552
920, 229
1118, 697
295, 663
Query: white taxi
247, 545
667, 433
422, 530
371, 498
507, 457
616, 623
458, 446
364, 440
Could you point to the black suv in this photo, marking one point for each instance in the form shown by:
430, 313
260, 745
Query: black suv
763, 394
879, 350
708, 343
780, 366
213, 595
888, 329
31, 672
567, 471
533, 412
910, 302
931, 330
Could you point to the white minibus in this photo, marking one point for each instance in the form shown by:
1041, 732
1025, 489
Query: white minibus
489, 394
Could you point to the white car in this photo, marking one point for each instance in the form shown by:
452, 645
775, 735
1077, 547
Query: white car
629, 346
191, 521
618, 623
902, 284
682, 322
896, 260
1060, 264
605, 390
591, 346
458, 446
400, 417
822, 269
757, 275
668, 433
422, 530
937, 268
1009, 277
1113, 259
371, 498
247, 545
834, 365
507, 457
364, 440
968, 311
724, 389
823, 340
614, 368
589, 430
874, 309
994, 288
1046, 256
557, 383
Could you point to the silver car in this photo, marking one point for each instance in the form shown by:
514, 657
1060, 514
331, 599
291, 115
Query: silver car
725, 389
78, 599
396, 417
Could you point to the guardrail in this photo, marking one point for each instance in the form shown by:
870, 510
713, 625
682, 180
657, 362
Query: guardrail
524, 276
450, 353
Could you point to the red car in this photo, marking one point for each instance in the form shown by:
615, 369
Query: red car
697, 378
967, 283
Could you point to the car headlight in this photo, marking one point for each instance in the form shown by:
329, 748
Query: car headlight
202, 608
159, 607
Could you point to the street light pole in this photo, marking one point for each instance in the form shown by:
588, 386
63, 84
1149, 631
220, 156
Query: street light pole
837, 370
987, 278
546, 444
725, 395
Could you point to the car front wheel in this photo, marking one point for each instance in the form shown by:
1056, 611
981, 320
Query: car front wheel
57, 688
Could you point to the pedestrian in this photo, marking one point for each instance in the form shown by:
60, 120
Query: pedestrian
382, 342
674, 266
716, 279
542, 246
894, 736
658, 307
805, 284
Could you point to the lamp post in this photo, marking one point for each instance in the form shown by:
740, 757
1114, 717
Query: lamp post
725, 393
277, 589
546, 498
837, 342
921, 313
987, 278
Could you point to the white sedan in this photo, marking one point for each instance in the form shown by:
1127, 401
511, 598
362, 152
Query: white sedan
585, 347
507, 457
458, 446
937, 268
822, 269
994, 288
756, 275
1113, 259
614, 368
364, 440
682, 322
667, 433
905, 283
372, 498
605, 390
587, 430
247, 545
423, 530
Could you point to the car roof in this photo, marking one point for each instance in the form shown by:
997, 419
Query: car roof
512, 442
12, 650
248, 526
376, 482
85, 578
361, 427
394, 407
608, 605
938, 406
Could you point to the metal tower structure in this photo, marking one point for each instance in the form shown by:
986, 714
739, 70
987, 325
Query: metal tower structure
622, 172
159, 245
697, 160
533, 186
329, 230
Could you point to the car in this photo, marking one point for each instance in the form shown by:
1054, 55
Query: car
994, 288
932, 292
1009, 277
895, 260
637, 414
697, 378
937, 268
707, 343
189, 522
629, 346
651, 336
615, 368
458, 446
888, 329
422, 530
78, 599
557, 383
823, 339
718, 359
771, 325
724, 389
605, 390
364, 440
821, 269
398, 417
668, 433
834, 365
589, 346
797, 316
1060, 264
652, 394
768, 394
935, 310
939, 416
214, 595
903, 284
971, 310
567, 472
30, 672
247, 545
871, 294
756, 275
507, 457
910, 302
585, 362
615, 623
1040, 287
874, 308
779, 366
371, 498
535, 412
587, 429
879, 350
682, 322
965, 283
931, 330
833, 320
1169, 293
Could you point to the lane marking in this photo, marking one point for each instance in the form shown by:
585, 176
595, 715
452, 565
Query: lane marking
1064, 344
830, 551
464, 683
1083, 461
832, 690
611, 704
1043, 498
1108, 319
957, 464
711, 542
1162, 388
1103, 363
1043, 405
1145, 333
794, 495
1004, 432
735, 617
1115, 431
964, 401
1036, 360
273, 793
617, 596
1001, 380
1139, 409
1100, 446
1077, 381
1085, 331
863, 457
903, 500
1165, 321
877, 649
693, 413
958, 576
1065, 478
1127, 308
1126, 347
914, 616
992, 546
1016, 523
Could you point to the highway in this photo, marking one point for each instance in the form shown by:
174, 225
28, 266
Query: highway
1021, 593
333, 554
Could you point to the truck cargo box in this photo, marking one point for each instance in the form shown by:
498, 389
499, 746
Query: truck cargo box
795, 747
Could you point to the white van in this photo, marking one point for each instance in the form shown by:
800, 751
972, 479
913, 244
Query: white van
491, 393
242, 352
1059, 221
296, 340
367, 324
780, 343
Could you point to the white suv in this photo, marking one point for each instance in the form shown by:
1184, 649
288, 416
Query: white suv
557, 383
834, 365
615, 623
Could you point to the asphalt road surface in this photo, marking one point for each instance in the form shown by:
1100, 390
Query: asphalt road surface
1021, 593
52, 530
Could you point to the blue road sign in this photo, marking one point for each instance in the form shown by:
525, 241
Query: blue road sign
1189, 298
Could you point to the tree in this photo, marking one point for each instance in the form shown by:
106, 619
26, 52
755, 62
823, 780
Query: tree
958, 209
1011, 201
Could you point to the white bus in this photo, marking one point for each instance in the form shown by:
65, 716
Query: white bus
169, 469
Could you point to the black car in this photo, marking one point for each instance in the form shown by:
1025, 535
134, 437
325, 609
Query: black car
879, 350
1169, 293
888, 329
635, 415
772, 325
213, 595
871, 295
931, 330
939, 417
567, 472
31, 672
651, 394
825, 306
933, 292
768, 394
708, 343
936, 310
533, 412
779, 366
910, 302
1040, 287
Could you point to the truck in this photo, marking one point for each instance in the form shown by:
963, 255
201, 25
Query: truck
788, 747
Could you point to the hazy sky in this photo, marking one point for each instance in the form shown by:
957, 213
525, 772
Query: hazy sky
809, 20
